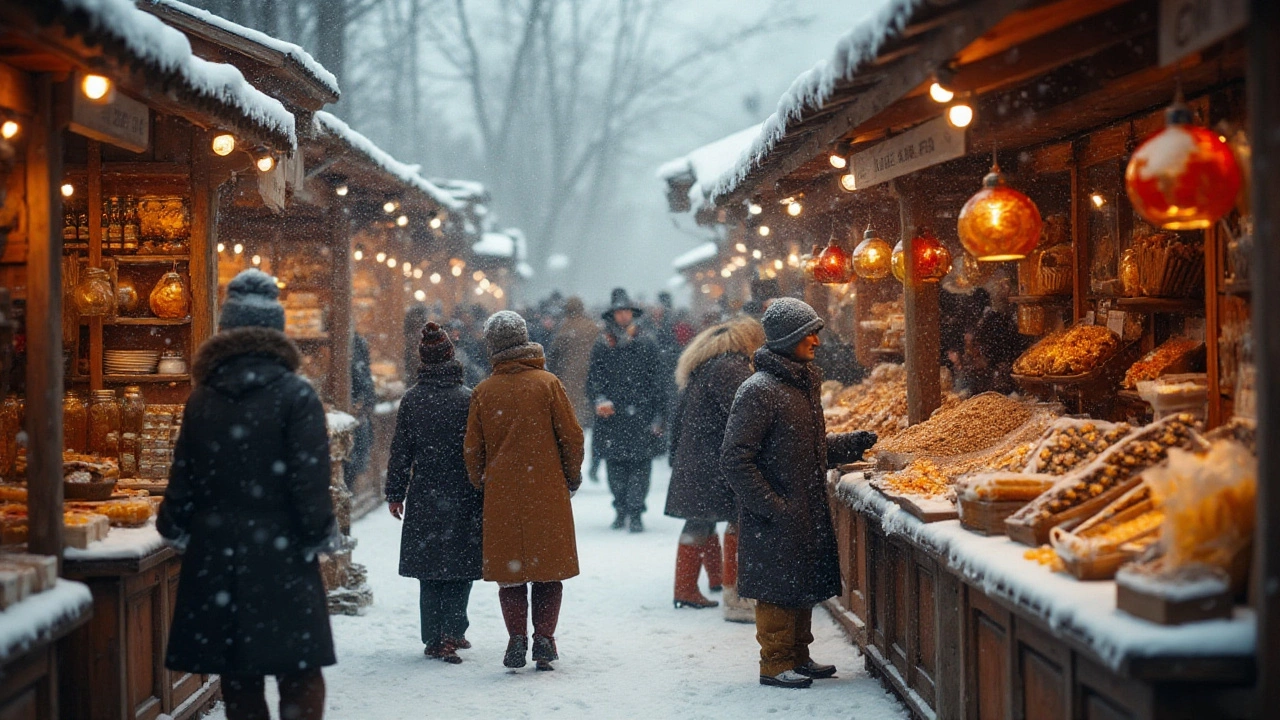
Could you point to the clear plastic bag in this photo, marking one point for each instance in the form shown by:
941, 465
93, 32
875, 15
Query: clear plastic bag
1209, 502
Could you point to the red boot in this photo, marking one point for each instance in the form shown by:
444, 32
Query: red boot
688, 565
713, 561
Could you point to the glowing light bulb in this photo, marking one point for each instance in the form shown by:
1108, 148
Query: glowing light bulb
485, 283
740, 247
341, 190
794, 208
837, 161
95, 87
8, 129
497, 292
391, 262
848, 182
960, 115
435, 223
222, 247
754, 209
479, 290
417, 273
757, 254
777, 264
224, 144
238, 248
402, 221
1098, 200
740, 261
726, 273
388, 207
940, 94
380, 257
435, 278
68, 189
256, 260
266, 163
456, 271
764, 231
358, 254
419, 295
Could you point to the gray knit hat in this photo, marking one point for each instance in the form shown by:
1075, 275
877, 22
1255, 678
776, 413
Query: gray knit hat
252, 302
504, 330
787, 322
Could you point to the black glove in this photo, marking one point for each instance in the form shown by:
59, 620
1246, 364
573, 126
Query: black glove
848, 447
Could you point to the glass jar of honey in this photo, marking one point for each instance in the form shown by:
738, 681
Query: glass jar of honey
75, 422
104, 424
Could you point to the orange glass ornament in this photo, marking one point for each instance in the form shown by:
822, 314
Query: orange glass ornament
834, 265
872, 259
1184, 177
999, 223
932, 259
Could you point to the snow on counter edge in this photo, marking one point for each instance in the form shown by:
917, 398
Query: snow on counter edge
120, 544
1085, 611
31, 620
340, 422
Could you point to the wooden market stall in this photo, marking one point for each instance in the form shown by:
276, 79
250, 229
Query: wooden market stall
958, 623
111, 268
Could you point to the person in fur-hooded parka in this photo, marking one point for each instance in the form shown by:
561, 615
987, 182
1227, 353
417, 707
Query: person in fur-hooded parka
707, 376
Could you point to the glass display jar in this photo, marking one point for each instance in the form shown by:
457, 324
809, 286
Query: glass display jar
104, 424
93, 295
133, 407
10, 425
75, 422
170, 299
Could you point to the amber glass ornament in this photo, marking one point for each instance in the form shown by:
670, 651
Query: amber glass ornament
170, 299
834, 265
932, 259
127, 297
809, 262
93, 295
872, 259
1184, 177
999, 223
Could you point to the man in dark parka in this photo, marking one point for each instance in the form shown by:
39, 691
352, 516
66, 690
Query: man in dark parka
248, 506
428, 487
626, 385
775, 455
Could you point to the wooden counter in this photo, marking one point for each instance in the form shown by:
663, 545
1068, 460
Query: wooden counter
965, 632
113, 667
30, 630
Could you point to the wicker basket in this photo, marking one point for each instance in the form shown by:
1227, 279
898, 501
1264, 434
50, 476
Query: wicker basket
101, 490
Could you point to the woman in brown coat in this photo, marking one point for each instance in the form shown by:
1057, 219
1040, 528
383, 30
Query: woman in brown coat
524, 451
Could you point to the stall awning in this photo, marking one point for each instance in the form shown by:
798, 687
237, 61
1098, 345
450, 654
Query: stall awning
704, 252
495, 244
328, 124
701, 168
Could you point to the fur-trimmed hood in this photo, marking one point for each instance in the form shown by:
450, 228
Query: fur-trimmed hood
741, 335
238, 360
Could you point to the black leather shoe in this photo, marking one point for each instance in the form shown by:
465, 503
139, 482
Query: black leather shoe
816, 671
786, 679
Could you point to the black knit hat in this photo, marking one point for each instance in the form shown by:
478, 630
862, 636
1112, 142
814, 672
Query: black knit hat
619, 300
435, 346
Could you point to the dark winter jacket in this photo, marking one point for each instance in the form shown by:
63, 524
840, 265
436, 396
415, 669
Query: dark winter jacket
775, 455
698, 488
249, 497
441, 538
627, 371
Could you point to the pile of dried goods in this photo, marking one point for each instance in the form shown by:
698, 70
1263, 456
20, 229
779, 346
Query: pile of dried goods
975, 424
921, 478
1070, 443
1076, 350
1165, 359
877, 404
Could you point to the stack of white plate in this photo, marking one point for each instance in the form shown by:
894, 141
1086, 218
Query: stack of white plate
130, 362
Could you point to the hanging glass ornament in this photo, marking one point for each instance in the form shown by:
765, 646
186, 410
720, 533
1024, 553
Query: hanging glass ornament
834, 265
999, 223
1184, 177
170, 299
872, 259
932, 259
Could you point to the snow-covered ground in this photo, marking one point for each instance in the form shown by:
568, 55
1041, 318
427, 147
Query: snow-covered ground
624, 651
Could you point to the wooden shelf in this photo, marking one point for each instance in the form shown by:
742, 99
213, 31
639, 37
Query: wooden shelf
143, 321
147, 259
1040, 299
1235, 287
152, 378
309, 338
152, 169
1177, 306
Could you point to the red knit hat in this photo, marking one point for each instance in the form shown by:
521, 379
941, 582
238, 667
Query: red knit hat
435, 347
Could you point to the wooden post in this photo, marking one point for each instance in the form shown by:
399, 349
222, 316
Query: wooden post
922, 344
341, 320
44, 324
203, 266
1263, 85
97, 241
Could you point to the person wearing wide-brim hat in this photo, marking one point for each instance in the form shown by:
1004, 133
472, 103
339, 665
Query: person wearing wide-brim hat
627, 386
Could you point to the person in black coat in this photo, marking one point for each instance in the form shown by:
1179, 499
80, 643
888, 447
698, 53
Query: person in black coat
428, 487
626, 384
775, 455
248, 506
708, 374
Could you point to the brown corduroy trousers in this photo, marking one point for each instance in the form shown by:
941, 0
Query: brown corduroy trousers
784, 635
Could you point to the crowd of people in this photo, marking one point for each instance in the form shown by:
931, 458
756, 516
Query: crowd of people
488, 451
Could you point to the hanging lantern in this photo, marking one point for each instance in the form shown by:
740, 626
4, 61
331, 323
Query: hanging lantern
809, 261
932, 259
872, 258
834, 265
1184, 177
169, 299
999, 223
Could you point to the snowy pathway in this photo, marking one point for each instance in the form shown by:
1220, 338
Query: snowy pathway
625, 652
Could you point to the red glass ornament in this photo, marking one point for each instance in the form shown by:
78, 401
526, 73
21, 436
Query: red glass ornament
834, 265
999, 223
1184, 177
932, 258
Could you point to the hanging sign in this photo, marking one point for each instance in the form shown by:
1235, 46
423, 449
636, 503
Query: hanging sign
1187, 26
920, 147
120, 121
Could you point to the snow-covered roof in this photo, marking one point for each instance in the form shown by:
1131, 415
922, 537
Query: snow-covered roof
328, 123
288, 49
814, 87
709, 162
464, 190
495, 244
702, 253
164, 51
